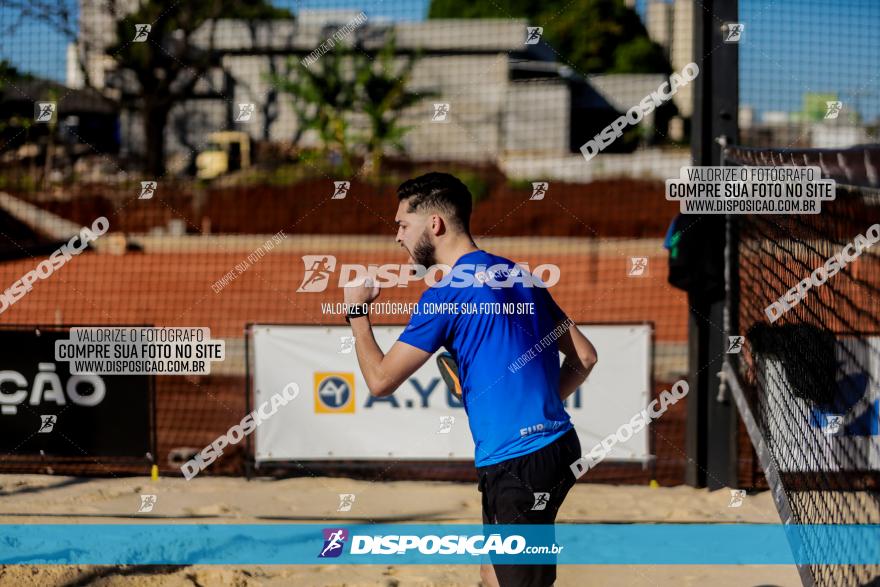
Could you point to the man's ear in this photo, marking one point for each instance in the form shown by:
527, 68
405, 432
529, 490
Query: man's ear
438, 225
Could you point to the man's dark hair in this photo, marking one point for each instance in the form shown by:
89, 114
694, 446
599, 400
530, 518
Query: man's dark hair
441, 192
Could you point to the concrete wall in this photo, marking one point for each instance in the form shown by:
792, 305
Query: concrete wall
537, 118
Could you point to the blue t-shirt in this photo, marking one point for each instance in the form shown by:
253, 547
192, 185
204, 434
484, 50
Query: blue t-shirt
511, 395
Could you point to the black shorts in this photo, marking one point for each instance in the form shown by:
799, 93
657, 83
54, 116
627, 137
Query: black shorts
509, 489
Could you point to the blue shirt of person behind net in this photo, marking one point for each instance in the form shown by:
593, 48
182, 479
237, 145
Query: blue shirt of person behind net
511, 412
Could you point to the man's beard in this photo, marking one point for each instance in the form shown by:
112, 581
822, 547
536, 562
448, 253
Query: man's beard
423, 253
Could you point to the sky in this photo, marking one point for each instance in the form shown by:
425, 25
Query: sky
789, 47
833, 47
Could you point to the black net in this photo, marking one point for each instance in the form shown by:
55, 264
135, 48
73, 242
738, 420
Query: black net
207, 131
809, 307
808, 96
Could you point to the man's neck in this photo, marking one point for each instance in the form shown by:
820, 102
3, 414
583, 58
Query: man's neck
454, 252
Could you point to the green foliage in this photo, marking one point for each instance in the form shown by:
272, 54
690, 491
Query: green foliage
519, 184
815, 105
324, 96
594, 36
8, 73
321, 96
18, 182
382, 96
640, 55
482, 9
8, 120
285, 175
475, 182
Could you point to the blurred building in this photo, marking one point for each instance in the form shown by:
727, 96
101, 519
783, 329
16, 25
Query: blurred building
670, 24
97, 31
797, 130
86, 120
504, 96
682, 51
828, 135
623, 91
746, 117
658, 22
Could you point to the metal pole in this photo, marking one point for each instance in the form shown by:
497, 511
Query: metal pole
711, 432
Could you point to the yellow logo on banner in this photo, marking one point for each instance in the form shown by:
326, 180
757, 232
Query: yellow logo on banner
334, 393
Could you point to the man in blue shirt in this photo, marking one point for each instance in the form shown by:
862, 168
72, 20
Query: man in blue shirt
505, 332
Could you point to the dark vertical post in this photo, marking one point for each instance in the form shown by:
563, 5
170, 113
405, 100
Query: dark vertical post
712, 424
249, 453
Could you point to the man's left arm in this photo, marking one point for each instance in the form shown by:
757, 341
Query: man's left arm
580, 358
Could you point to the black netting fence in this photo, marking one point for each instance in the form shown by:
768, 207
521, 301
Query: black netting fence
809, 307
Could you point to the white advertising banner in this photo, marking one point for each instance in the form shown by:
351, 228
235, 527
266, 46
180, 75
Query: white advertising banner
335, 417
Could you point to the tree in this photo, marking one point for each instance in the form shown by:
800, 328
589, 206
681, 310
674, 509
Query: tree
483, 8
639, 55
167, 66
593, 36
382, 96
326, 94
8, 73
322, 96
13, 123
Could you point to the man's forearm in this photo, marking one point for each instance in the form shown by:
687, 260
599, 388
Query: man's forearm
571, 374
369, 354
